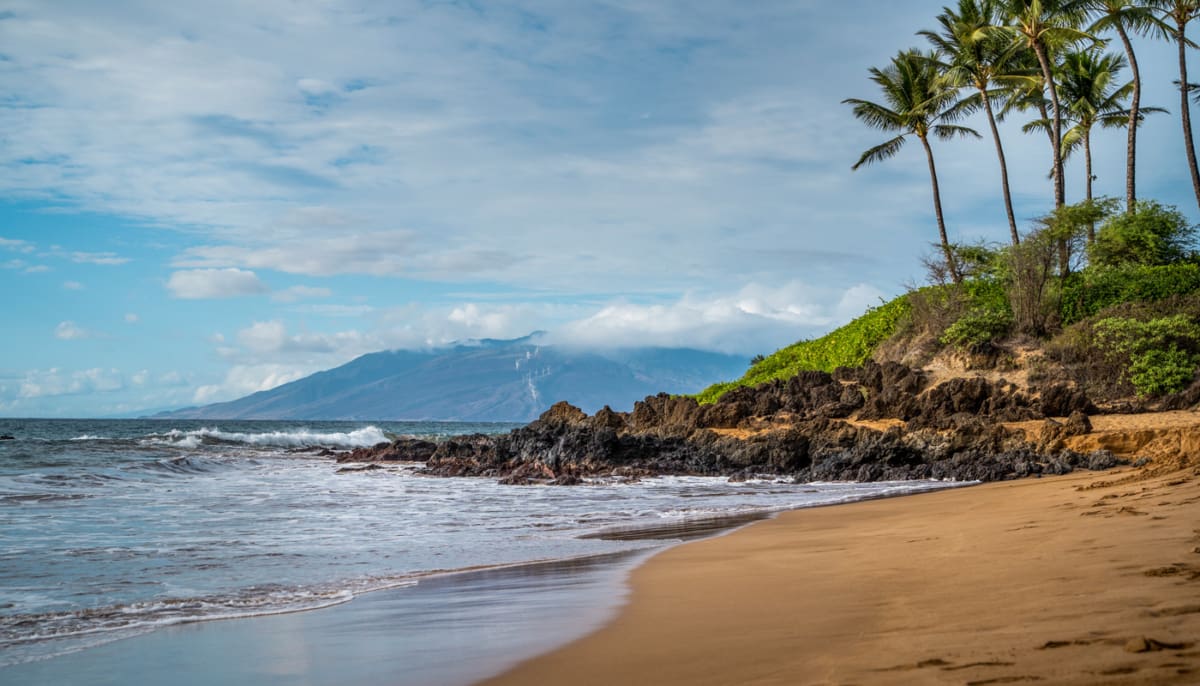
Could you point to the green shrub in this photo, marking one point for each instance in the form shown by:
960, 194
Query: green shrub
1088, 292
1159, 355
1158, 372
978, 327
1155, 234
848, 346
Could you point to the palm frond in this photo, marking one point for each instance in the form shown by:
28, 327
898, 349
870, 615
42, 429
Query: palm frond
1072, 139
1042, 125
875, 115
950, 131
880, 152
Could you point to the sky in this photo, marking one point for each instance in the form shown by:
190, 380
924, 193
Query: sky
199, 200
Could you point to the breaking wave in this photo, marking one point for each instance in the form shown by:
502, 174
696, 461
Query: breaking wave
301, 438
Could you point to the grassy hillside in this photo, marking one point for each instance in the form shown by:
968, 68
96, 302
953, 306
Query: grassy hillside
849, 346
1117, 314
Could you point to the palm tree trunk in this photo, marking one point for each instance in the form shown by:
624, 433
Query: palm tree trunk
1060, 194
1087, 157
937, 210
1134, 106
1012, 221
1185, 110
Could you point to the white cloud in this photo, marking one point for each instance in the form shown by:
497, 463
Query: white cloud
296, 293
379, 253
199, 284
417, 326
131, 318
172, 378
743, 322
336, 310
72, 286
23, 266
57, 382
140, 378
272, 338
103, 258
316, 87
16, 245
69, 331
243, 380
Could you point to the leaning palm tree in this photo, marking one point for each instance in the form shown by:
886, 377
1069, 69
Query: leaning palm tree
1179, 13
1125, 17
918, 101
1044, 25
1091, 95
986, 61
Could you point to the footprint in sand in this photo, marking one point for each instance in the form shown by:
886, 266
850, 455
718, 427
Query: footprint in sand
1174, 611
1143, 644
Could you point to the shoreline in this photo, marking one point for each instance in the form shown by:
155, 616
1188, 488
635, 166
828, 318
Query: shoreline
595, 583
1079, 579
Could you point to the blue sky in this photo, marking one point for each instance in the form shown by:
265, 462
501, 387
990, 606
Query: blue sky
201, 200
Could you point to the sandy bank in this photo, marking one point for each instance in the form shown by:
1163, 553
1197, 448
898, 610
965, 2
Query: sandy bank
1065, 580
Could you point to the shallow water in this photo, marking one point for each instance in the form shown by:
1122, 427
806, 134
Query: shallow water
113, 529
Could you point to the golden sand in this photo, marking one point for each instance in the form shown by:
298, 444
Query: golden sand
1079, 579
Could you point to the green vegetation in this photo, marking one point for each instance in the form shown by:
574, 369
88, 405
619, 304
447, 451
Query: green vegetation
977, 328
1089, 292
1152, 235
849, 346
1159, 355
1125, 324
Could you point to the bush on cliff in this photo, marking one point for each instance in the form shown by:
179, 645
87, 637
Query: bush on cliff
1155, 234
1088, 292
1159, 355
1105, 352
848, 346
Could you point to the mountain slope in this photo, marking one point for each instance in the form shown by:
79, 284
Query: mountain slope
513, 380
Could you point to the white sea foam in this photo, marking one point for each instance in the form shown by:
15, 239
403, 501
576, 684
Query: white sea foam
300, 438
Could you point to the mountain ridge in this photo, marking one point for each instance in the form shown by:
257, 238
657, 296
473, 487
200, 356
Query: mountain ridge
486, 380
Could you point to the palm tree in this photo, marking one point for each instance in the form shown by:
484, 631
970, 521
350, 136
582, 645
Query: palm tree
918, 101
1044, 25
971, 56
1179, 13
1029, 94
1091, 95
1124, 17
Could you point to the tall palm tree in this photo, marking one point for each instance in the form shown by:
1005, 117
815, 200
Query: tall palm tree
971, 56
1029, 94
1092, 95
1125, 17
918, 101
1044, 25
1179, 13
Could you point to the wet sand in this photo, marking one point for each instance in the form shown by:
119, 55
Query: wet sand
1083, 579
449, 630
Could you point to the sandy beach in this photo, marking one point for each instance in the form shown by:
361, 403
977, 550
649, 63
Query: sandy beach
1091, 578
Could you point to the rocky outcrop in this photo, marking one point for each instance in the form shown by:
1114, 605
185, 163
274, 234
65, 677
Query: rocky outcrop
875, 422
399, 450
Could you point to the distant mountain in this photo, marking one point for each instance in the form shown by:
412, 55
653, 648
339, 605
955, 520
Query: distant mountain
490, 380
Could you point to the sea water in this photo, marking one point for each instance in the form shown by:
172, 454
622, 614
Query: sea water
115, 528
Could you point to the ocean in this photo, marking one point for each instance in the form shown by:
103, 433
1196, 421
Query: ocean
113, 533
